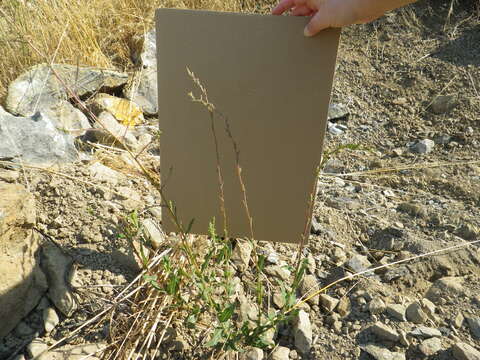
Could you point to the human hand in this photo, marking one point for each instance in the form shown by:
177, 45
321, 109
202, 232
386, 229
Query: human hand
337, 13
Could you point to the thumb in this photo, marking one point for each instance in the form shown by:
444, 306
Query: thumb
317, 23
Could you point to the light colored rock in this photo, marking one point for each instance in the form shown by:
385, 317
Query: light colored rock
278, 271
22, 283
425, 332
337, 111
447, 286
428, 308
474, 325
397, 311
280, 353
241, 254
253, 354
327, 302
124, 111
248, 310
384, 332
343, 307
376, 306
337, 326
50, 319
403, 338
39, 88
67, 118
34, 140
153, 233
9, 176
462, 351
415, 313
430, 346
103, 173
36, 348
302, 332
316, 227
131, 199
311, 263
278, 300
57, 265
380, 353
359, 263
75, 352
122, 134
308, 285
423, 146
458, 321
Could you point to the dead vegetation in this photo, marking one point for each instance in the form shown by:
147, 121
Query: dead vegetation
99, 33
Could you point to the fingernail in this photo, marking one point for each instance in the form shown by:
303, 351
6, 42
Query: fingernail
307, 32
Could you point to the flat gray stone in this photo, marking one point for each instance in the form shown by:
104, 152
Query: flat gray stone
359, 263
474, 325
39, 88
34, 140
425, 332
423, 146
381, 353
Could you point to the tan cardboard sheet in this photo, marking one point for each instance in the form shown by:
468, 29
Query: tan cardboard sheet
273, 85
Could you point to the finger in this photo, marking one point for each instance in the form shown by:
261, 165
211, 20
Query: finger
285, 5
318, 22
301, 11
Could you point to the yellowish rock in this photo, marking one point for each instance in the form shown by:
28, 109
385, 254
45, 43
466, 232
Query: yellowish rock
126, 112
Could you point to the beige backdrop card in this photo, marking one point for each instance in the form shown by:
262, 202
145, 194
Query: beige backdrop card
273, 85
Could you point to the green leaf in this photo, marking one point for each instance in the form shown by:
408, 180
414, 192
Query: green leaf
191, 321
261, 262
216, 337
172, 284
226, 314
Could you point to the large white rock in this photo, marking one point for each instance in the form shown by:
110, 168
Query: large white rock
34, 139
48, 89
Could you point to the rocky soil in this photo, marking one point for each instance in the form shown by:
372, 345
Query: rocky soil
406, 96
